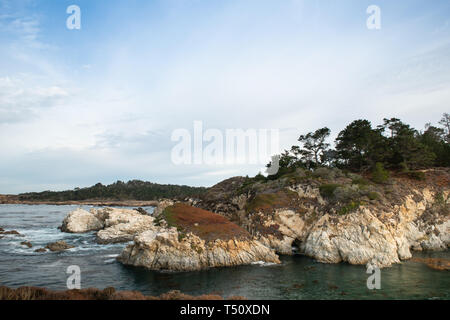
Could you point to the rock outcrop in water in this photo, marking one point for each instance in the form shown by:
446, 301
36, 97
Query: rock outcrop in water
164, 250
58, 246
193, 239
113, 225
344, 219
80, 221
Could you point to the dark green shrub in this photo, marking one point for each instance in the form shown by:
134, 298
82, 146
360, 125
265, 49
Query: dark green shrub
379, 174
327, 190
417, 175
324, 173
360, 181
349, 207
373, 195
345, 194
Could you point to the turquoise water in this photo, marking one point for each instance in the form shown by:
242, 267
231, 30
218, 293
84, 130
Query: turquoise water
298, 277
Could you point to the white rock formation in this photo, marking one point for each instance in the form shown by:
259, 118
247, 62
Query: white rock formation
370, 236
163, 250
80, 221
122, 225
113, 225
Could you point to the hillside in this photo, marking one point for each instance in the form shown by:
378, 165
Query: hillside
118, 191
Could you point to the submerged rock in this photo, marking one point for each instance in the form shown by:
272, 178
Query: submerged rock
435, 263
12, 232
40, 250
26, 243
58, 246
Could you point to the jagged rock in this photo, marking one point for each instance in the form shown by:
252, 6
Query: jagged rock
40, 250
122, 225
58, 246
163, 250
142, 211
125, 231
26, 243
81, 221
161, 206
12, 232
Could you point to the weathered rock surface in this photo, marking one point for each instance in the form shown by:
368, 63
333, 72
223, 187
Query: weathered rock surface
80, 221
407, 216
163, 250
122, 225
367, 236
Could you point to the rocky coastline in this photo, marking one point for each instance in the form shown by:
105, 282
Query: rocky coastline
332, 217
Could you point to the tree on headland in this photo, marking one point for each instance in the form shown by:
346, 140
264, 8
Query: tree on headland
314, 145
393, 145
445, 123
359, 146
404, 148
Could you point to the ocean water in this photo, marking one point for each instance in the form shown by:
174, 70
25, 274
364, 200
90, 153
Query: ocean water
298, 277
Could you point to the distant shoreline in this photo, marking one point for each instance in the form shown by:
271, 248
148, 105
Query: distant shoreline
100, 203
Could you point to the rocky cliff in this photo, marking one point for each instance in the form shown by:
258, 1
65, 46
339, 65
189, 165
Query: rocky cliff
336, 217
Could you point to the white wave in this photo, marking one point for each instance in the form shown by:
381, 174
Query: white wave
264, 264
110, 261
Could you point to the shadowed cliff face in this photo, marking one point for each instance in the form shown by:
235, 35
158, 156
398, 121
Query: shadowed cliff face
335, 216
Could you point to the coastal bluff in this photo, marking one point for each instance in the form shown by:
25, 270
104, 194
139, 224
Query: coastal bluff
334, 217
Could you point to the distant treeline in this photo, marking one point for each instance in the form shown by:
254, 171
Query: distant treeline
131, 190
360, 147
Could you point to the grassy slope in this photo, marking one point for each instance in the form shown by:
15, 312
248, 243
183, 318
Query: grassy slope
205, 224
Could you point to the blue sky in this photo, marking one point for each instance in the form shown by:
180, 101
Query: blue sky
99, 104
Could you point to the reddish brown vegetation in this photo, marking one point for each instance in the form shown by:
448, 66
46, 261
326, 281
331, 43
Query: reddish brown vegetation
34, 293
205, 224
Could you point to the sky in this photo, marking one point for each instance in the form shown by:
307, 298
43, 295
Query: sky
100, 104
